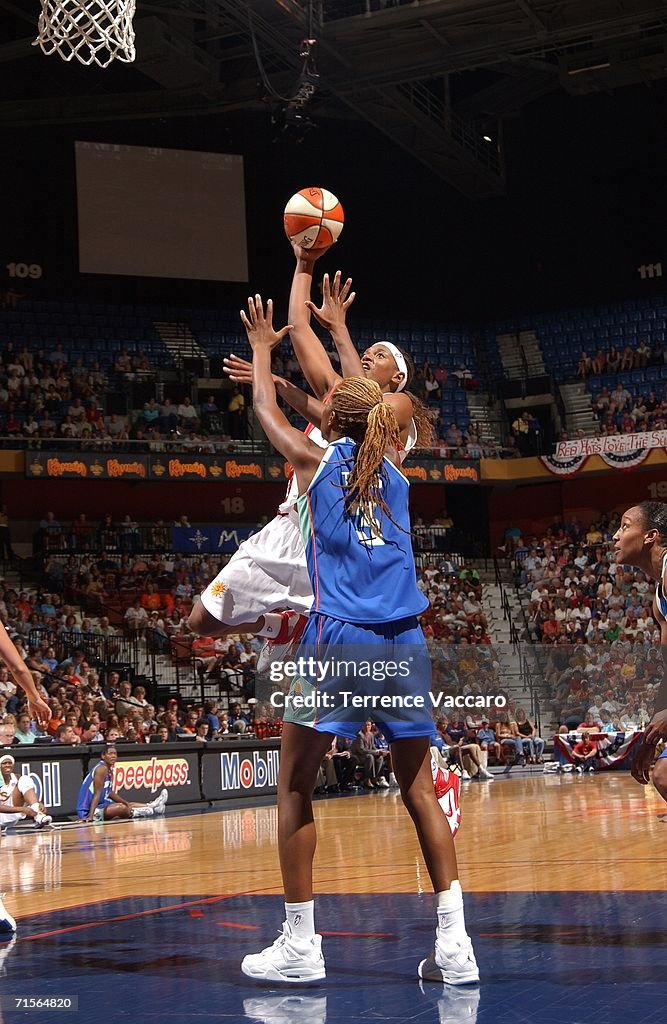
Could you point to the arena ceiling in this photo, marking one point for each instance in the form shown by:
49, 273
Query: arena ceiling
436, 76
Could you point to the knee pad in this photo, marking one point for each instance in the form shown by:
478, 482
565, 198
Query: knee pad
24, 784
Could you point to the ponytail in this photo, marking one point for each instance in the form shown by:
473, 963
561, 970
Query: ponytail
362, 412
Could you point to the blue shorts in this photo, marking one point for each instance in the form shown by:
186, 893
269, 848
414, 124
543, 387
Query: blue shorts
345, 673
99, 811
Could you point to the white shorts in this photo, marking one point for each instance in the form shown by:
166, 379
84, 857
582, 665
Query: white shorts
268, 573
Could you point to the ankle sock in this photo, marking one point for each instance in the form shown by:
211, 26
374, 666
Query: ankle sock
301, 919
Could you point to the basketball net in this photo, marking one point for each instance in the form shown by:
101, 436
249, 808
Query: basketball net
90, 31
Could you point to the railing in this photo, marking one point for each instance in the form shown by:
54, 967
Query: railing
204, 446
166, 666
98, 649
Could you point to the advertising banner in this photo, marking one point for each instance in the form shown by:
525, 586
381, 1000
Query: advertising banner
86, 466
139, 775
237, 769
215, 539
222, 468
56, 774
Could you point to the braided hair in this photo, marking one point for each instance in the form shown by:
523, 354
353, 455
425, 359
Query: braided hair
362, 413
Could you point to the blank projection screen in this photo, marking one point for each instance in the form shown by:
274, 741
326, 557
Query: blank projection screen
160, 213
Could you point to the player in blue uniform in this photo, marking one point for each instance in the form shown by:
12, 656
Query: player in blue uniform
97, 800
353, 504
641, 540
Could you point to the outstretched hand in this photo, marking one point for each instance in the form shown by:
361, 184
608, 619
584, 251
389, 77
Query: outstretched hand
642, 761
336, 300
237, 369
657, 727
259, 325
39, 710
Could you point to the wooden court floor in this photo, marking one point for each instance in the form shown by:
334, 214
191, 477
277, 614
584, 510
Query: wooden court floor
541, 834
148, 921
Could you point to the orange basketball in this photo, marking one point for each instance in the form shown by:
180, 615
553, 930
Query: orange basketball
313, 218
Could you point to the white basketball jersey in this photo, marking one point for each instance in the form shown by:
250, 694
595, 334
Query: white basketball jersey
7, 788
315, 435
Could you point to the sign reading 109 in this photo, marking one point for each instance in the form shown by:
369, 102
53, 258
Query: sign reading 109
22, 270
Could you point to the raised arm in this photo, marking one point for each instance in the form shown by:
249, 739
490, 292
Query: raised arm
336, 300
290, 442
240, 371
309, 350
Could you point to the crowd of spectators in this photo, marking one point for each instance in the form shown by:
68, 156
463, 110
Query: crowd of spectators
57, 395
621, 411
615, 361
593, 620
51, 396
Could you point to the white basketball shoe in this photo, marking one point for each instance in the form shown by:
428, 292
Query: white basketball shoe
452, 962
288, 960
7, 922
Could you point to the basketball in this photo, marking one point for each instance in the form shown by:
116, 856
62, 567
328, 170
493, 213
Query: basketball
313, 218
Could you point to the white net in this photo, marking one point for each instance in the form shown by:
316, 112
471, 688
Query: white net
90, 31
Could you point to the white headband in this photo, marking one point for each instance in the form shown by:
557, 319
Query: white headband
400, 361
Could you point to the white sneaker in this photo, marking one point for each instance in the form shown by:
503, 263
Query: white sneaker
160, 801
42, 819
392, 781
454, 963
455, 967
7, 922
291, 1009
287, 960
487, 776
382, 782
465, 777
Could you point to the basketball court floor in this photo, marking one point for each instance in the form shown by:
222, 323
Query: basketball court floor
148, 921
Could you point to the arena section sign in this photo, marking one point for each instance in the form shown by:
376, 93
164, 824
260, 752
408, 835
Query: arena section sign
56, 773
139, 775
233, 769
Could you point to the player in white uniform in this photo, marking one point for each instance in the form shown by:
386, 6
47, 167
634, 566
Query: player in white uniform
264, 588
38, 709
18, 799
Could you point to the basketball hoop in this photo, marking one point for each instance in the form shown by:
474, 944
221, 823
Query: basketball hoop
90, 31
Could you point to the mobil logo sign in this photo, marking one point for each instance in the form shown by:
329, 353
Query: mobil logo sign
252, 770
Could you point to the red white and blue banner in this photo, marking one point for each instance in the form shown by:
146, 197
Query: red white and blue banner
619, 451
612, 444
615, 749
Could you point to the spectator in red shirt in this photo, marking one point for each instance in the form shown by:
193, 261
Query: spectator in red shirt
585, 752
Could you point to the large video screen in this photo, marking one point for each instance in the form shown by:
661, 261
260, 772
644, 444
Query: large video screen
147, 212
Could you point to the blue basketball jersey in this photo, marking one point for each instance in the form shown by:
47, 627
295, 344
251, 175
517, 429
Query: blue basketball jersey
357, 576
660, 598
87, 790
